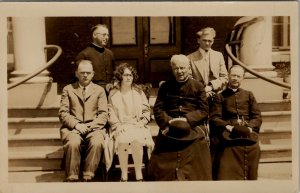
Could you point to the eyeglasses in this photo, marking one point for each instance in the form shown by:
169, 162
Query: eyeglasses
127, 75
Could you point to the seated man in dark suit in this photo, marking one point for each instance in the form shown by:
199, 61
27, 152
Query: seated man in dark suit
83, 113
236, 117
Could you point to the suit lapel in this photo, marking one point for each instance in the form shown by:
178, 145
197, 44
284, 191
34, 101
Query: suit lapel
90, 91
213, 62
196, 59
77, 91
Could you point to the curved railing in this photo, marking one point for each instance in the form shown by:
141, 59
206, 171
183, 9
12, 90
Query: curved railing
235, 41
39, 70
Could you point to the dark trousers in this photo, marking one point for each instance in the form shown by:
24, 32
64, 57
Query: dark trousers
72, 147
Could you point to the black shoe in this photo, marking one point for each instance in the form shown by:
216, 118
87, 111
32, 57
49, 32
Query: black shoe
122, 180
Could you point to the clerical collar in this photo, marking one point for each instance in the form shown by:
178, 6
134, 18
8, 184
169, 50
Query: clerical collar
233, 89
183, 80
98, 48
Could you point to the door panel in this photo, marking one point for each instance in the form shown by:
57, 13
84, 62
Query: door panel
156, 40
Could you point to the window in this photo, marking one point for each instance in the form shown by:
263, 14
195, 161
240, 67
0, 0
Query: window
281, 33
162, 30
123, 31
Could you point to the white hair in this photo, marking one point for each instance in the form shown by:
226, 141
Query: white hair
179, 59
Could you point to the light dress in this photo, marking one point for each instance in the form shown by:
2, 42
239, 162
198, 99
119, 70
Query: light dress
129, 115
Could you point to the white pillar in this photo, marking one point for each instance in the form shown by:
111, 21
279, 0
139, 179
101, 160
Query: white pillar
256, 46
256, 52
29, 37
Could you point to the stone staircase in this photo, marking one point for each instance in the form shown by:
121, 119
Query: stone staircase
35, 150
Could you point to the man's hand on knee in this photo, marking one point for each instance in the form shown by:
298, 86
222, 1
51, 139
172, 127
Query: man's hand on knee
82, 128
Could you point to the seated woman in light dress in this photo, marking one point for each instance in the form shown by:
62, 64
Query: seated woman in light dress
129, 114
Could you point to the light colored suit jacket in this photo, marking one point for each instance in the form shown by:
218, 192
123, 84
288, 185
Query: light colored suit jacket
217, 66
92, 111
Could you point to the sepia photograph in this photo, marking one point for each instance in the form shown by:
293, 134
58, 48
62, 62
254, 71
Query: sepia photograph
149, 97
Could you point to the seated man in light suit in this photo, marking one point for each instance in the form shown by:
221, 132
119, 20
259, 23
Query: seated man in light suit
83, 113
208, 65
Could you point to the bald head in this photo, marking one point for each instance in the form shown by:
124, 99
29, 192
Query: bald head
236, 75
84, 72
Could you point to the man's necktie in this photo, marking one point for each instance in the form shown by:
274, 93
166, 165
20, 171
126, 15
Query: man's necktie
83, 92
83, 95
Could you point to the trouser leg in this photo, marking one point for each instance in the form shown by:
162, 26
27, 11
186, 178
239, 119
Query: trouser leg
95, 141
71, 146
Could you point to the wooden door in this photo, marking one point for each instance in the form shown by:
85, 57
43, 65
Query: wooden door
146, 42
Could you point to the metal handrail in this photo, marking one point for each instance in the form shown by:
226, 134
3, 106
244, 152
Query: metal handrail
39, 70
237, 61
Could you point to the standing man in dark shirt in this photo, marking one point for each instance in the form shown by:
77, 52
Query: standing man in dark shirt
102, 58
236, 116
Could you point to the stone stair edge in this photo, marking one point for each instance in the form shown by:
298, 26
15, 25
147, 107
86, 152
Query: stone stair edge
36, 155
272, 147
32, 119
28, 137
52, 119
153, 126
56, 152
152, 99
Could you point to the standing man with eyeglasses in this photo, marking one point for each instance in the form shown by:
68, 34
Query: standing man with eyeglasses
102, 58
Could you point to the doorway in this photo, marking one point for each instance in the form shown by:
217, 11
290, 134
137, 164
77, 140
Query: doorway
147, 43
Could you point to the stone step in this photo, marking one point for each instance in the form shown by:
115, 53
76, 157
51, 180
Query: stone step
33, 112
52, 111
276, 116
29, 122
40, 158
31, 131
266, 171
49, 157
271, 119
275, 105
280, 152
276, 171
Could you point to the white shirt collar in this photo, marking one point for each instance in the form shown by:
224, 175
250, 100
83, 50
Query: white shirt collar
203, 52
86, 87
